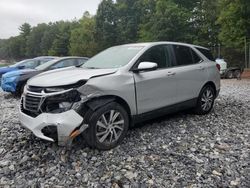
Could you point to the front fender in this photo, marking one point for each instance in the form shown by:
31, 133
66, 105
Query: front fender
96, 103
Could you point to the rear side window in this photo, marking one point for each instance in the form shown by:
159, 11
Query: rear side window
196, 58
65, 63
207, 53
81, 61
183, 55
30, 64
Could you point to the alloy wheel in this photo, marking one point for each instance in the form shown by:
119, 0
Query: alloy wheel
109, 127
207, 99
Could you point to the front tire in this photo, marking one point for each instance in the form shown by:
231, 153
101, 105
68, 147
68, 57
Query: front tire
108, 126
205, 101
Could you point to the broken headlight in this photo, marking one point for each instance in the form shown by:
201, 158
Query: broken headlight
61, 102
65, 106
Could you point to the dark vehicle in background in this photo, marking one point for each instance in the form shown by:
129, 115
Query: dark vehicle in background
228, 72
15, 81
25, 64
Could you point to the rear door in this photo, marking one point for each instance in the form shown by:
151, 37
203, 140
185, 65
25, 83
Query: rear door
191, 73
156, 89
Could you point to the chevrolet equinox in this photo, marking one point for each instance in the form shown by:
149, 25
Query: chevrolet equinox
117, 88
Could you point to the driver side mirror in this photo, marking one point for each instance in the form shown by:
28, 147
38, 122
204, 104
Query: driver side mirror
146, 66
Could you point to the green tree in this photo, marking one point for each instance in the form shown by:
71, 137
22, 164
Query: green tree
128, 20
48, 37
60, 46
106, 24
25, 29
234, 21
82, 40
33, 47
4, 48
170, 22
205, 15
14, 47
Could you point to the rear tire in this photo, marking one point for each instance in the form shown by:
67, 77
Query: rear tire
237, 74
230, 75
205, 100
108, 126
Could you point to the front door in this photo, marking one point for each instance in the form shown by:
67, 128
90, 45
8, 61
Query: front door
156, 89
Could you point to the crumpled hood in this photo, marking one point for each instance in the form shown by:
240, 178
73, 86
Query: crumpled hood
67, 76
18, 73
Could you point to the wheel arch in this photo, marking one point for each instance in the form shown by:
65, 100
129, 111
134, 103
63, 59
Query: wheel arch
211, 84
98, 102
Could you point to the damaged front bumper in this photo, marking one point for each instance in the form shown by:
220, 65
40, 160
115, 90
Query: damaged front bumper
65, 123
40, 112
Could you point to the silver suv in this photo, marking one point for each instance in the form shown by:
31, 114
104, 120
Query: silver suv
117, 88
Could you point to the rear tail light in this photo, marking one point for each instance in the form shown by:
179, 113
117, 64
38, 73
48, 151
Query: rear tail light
218, 66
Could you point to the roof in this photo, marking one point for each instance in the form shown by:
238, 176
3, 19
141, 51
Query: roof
43, 57
163, 42
72, 57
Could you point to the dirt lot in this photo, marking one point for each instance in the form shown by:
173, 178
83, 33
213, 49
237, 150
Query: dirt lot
181, 150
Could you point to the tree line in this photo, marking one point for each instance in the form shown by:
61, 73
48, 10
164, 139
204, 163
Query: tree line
203, 22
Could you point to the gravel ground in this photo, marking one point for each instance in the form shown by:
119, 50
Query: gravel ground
181, 150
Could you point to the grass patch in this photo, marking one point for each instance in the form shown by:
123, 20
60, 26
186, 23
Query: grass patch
3, 65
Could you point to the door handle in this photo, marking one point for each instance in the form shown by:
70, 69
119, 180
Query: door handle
201, 68
171, 73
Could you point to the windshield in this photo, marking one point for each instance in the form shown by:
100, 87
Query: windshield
114, 57
46, 65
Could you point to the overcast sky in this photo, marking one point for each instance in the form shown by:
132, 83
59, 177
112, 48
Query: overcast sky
14, 13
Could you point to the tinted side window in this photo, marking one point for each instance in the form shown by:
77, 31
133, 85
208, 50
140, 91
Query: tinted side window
156, 54
81, 61
30, 64
207, 53
42, 61
64, 63
70, 62
183, 55
169, 56
196, 58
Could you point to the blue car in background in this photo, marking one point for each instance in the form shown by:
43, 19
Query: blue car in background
15, 81
18, 65
26, 64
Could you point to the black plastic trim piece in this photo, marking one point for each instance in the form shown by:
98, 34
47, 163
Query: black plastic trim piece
99, 102
165, 110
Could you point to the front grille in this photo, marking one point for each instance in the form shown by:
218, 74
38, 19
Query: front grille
35, 89
32, 102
